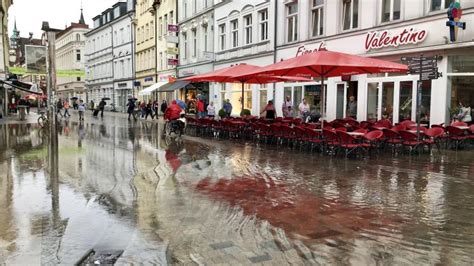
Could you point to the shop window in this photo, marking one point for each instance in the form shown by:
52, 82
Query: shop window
350, 14
390, 10
372, 100
406, 90
317, 18
462, 94
436, 5
292, 21
263, 98
461, 64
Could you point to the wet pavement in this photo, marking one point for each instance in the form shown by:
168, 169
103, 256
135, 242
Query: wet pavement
123, 188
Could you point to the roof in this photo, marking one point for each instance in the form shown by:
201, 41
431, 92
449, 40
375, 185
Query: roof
73, 26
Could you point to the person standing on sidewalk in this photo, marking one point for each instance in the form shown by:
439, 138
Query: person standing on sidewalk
66, 109
163, 107
211, 110
102, 105
200, 108
148, 110
131, 108
155, 109
82, 108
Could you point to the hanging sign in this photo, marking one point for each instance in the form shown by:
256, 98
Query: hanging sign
173, 61
172, 50
173, 28
454, 23
381, 39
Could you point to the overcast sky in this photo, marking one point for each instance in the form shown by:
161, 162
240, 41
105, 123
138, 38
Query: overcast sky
30, 14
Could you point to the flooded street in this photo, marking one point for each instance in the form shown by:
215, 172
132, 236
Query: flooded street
121, 187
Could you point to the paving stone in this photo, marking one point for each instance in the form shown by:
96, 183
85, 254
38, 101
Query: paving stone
222, 245
261, 258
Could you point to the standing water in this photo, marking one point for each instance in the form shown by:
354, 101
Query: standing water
123, 188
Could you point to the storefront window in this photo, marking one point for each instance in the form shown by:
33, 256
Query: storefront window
372, 100
387, 100
462, 93
263, 99
236, 98
461, 64
297, 96
406, 88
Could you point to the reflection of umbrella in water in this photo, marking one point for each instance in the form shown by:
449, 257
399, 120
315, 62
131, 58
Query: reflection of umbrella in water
106, 98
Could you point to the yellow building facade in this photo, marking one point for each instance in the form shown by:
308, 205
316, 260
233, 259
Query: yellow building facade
145, 47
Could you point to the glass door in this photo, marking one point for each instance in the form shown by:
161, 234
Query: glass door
387, 100
340, 101
405, 101
372, 100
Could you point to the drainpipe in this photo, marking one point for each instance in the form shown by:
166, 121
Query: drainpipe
113, 66
275, 26
155, 8
132, 52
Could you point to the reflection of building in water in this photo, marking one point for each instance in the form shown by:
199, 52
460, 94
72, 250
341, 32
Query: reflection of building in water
6, 212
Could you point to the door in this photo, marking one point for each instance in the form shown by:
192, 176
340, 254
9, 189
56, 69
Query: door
388, 89
372, 101
340, 100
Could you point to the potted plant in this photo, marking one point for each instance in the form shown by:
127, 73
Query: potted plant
245, 112
222, 113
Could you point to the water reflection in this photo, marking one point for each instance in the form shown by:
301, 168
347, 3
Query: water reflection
120, 186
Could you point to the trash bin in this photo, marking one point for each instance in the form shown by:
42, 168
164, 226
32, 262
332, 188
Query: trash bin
22, 112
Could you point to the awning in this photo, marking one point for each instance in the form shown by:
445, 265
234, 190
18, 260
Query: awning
172, 86
20, 86
152, 88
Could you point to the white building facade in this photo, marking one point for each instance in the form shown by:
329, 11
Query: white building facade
244, 34
70, 46
110, 56
389, 30
196, 45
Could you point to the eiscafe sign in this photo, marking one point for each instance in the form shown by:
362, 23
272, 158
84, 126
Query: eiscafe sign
381, 39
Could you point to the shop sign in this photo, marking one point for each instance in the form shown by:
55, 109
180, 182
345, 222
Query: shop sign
173, 28
454, 23
172, 50
302, 50
172, 39
187, 72
173, 61
122, 84
163, 78
148, 79
381, 39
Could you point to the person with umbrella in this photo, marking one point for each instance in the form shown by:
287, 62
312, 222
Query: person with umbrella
131, 108
102, 105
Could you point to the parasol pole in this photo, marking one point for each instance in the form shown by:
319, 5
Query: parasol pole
241, 111
323, 102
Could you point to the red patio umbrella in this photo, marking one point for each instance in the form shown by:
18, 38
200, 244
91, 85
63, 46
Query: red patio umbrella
324, 64
236, 74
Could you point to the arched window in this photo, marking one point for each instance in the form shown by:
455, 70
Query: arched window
78, 37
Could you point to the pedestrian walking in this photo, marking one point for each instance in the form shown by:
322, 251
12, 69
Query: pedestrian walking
59, 107
163, 107
131, 108
92, 105
102, 105
211, 110
154, 108
227, 108
148, 110
66, 109
82, 108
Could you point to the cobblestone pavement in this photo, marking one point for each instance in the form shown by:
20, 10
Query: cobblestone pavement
206, 202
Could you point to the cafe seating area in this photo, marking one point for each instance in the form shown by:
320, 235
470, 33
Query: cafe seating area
344, 137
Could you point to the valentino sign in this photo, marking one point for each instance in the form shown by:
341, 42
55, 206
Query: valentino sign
381, 39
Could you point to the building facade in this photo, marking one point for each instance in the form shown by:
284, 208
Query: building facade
110, 56
196, 45
389, 30
4, 52
145, 46
166, 43
244, 34
70, 46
